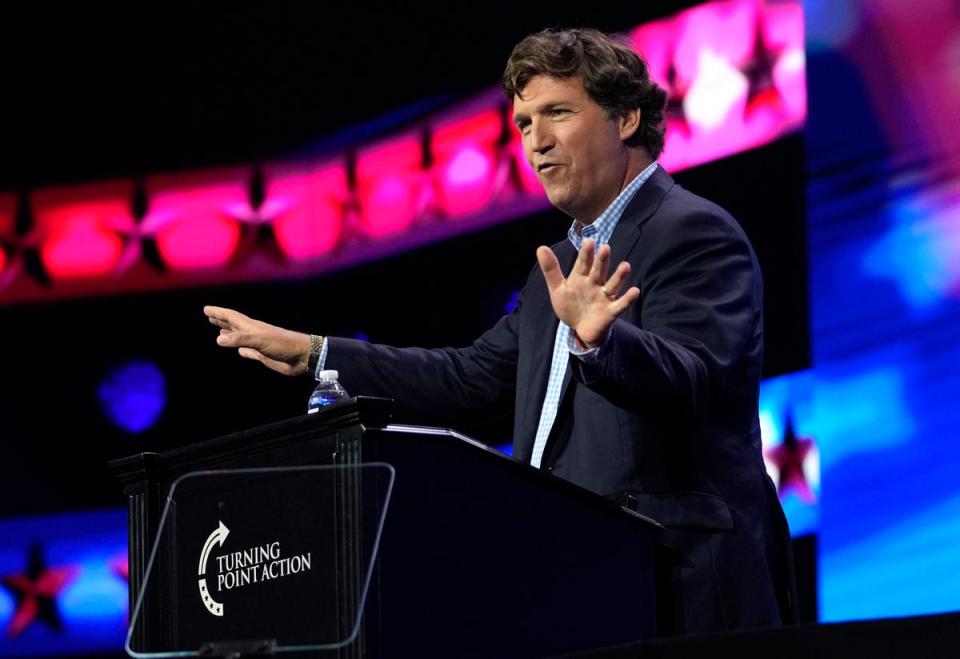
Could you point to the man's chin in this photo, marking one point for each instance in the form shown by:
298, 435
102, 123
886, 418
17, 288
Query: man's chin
564, 209
558, 202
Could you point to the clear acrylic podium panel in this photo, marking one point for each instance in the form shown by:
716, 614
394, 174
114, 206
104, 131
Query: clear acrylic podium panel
283, 554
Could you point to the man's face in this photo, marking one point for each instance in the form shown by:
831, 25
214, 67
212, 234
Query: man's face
578, 153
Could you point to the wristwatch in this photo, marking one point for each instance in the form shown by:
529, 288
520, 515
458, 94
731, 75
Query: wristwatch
316, 345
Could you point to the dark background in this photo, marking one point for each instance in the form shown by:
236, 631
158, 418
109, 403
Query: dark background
91, 94
88, 99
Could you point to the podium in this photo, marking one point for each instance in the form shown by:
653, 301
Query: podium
355, 537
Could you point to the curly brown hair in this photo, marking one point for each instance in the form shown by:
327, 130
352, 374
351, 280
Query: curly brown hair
614, 76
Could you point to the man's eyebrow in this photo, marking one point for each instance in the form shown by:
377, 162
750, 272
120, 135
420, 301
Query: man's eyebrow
540, 109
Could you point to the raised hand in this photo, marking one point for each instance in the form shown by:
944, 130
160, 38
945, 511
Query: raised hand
587, 300
279, 349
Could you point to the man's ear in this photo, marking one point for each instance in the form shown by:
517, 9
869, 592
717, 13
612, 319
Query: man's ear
629, 124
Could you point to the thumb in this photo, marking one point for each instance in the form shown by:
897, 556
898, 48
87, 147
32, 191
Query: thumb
229, 339
550, 267
250, 353
272, 364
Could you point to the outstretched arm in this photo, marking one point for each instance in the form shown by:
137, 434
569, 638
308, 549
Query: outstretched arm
279, 349
440, 386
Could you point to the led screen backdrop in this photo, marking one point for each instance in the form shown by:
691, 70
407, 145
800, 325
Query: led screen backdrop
884, 226
734, 72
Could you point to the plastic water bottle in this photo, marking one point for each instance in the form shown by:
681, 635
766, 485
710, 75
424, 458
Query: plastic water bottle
328, 391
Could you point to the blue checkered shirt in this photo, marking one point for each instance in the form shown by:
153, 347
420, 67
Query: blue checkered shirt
564, 344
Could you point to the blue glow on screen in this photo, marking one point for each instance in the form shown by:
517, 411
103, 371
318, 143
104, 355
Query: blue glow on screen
920, 252
133, 395
831, 23
885, 279
909, 567
891, 503
97, 593
859, 412
6, 605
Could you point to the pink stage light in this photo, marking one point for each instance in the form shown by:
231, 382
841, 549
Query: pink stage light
8, 217
305, 208
782, 33
727, 30
734, 71
194, 218
656, 43
390, 184
735, 74
81, 228
464, 156
717, 95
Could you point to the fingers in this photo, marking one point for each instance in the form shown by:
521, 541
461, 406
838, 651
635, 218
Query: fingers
231, 323
250, 353
616, 280
550, 267
601, 264
624, 301
233, 339
584, 261
223, 318
220, 313
273, 364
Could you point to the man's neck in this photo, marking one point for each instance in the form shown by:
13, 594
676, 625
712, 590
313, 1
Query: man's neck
638, 159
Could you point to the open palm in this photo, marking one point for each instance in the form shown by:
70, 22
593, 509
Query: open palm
587, 300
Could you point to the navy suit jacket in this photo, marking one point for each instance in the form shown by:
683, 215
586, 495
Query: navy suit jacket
666, 413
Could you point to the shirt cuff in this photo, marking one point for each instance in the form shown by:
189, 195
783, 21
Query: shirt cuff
588, 355
322, 359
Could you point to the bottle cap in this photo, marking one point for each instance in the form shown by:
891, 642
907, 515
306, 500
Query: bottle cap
328, 375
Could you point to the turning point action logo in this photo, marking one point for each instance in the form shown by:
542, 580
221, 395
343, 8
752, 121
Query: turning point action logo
241, 568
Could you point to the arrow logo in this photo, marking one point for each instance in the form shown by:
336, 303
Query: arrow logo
218, 537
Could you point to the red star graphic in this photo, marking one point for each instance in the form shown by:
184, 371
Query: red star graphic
674, 107
11, 260
789, 457
121, 567
759, 72
35, 591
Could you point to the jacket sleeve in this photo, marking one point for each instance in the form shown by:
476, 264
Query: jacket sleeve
438, 386
698, 319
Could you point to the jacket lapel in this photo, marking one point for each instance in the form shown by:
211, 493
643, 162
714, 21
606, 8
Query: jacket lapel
643, 205
541, 353
641, 208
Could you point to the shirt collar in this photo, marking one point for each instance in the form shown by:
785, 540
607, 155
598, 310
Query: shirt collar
602, 228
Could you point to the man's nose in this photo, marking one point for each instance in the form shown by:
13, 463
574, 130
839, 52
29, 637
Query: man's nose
541, 138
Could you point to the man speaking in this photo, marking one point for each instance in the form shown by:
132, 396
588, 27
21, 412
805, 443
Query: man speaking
633, 358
